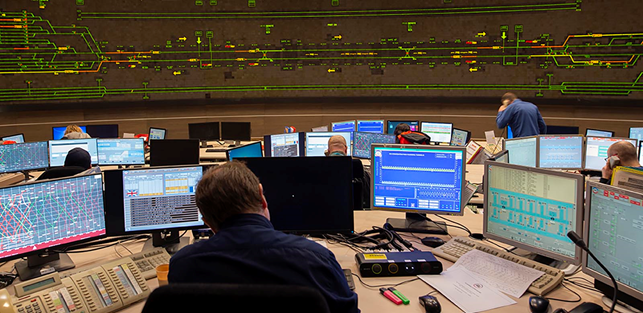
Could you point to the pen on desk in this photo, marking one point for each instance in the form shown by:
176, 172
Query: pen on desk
404, 299
389, 295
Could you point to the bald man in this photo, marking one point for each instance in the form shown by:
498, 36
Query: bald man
337, 146
626, 153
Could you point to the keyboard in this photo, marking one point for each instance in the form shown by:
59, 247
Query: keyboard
458, 246
148, 260
217, 150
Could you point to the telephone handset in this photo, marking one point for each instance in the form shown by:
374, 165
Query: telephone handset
614, 161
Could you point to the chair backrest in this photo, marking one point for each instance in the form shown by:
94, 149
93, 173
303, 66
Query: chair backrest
235, 298
58, 172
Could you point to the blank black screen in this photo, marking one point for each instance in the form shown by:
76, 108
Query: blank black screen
174, 152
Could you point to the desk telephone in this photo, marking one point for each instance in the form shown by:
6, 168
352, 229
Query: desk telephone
101, 289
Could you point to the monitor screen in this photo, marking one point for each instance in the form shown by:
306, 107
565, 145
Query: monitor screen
170, 152
391, 125
19, 138
59, 132
317, 143
204, 131
292, 187
103, 131
523, 151
562, 130
157, 133
320, 129
510, 133
121, 151
51, 213
252, 150
460, 137
615, 241
422, 179
347, 126
636, 133
439, 132
561, 152
370, 126
598, 133
362, 143
285, 145
533, 209
240, 131
58, 150
596, 151
640, 152
23, 157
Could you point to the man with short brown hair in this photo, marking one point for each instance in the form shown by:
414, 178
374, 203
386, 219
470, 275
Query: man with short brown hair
248, 250
624, 154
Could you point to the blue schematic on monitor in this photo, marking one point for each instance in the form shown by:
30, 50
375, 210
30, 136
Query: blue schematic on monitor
561, 152
376, 126
418, 179
121, 151
347, 126
23, 157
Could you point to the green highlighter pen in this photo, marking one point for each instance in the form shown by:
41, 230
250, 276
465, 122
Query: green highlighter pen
399, 295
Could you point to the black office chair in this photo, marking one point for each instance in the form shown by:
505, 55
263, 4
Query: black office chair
59, 172
235, 298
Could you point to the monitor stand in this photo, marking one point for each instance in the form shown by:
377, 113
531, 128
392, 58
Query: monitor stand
418, 223
567, 268
38, 265
170, 240
625, 303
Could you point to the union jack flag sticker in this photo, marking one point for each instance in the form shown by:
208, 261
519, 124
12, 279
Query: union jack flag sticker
132, 193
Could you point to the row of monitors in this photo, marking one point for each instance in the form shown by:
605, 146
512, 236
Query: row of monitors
39, 155
439, 132
569, 152
635, 132
95, 131
211, 131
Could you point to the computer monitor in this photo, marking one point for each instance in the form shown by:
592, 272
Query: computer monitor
460, 137
596, 151
523, 151
252, 150
317, 143
391, 125
170, 152
640, 151
153, 200
24, 157
204, 131
636, 133
598, 133
418, 179
346, 126
613, 233
362, 143
502, 157
59, 132
320, 128
561, 152
103, 131
46, 214
374, 126
121, 151
510, 133
292, 187
285, 145
157, 133
58, 150
562, 130
533, 209
439, 132
18, 138
237, 131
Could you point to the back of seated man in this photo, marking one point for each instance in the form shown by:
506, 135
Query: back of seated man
77, 161
627, 156
337, 146
246, 249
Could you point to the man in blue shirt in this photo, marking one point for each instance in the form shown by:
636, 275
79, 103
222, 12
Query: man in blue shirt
246, 249
523, 117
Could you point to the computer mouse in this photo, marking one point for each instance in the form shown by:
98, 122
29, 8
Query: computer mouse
430, 304
432, 242
538, 304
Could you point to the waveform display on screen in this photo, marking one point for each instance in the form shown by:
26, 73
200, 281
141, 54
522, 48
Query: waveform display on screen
46, 214
23, 157
370, 126
564, 152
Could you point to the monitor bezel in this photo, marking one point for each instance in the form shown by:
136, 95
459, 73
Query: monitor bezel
57, 247
585, 269
149, 131
267, 144
332, 126
18, 134
102, 125
35, 168
383, 125
504, 147
223, 133
500, 154
68, 140
599, 130
348, 144
205, 123
616, 139
152, 160
119, 139
434, 141
640, 148
421, 147
453, 129
419, 125
580, 201
629, 134
582, 161
227, 153
368, 134
53, 128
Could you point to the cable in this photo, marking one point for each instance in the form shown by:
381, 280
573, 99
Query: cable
387, 285
565, 300
465, 228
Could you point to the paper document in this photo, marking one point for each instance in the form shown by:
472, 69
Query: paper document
466, 290
509, 277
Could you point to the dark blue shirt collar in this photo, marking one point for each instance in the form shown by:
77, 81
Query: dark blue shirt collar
246, 219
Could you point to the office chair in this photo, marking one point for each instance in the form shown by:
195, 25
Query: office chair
59, 172
235, 298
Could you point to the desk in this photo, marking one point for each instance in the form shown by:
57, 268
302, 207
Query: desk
370, 301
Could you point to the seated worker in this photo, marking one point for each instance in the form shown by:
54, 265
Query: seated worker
246, 249
337, 146
523, 117
75, 132
77, 161
399, 129
625, 154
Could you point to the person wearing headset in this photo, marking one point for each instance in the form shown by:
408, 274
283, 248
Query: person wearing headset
523, 117
620, 153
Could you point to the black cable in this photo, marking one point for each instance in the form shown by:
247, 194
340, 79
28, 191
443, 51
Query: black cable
387, 285
465, 228
565, 300
72, 250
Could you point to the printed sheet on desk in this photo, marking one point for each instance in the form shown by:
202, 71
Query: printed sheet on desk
508, 277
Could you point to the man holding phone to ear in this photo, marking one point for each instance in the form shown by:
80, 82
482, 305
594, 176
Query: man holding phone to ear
620, 153
523, 117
